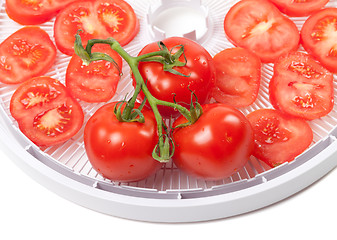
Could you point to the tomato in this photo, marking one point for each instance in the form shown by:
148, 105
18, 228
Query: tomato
166, 86
121, 151
27, 53
301, 87
31, 12
45, 111
217, 145
278, 138
299, 8
260, 27
319, 37
97, 19
238, 75
96, 82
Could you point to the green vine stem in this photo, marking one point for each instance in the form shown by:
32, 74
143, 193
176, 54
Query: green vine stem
165, 147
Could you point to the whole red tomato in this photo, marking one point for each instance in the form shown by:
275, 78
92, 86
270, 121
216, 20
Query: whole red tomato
121, 151
164, 85
217, 145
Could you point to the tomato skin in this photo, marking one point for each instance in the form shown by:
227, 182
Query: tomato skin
27, 53
97, 19
28, 12
260, 27
217, 145
96, 82
238, 75
121, 151
301, 87
165, 85
278, 138
45, 111
318, 37
299, 8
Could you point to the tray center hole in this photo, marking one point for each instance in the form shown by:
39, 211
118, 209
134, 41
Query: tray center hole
177, 21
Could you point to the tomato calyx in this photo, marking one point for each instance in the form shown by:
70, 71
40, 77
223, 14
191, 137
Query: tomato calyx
195, 111
171, 60
165, 151
129, 113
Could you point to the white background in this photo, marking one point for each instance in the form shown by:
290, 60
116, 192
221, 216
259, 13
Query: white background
30, 211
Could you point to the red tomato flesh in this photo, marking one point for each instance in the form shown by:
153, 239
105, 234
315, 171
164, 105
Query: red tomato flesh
45, 111
238, 75
319, 37
121, 151
216, 146
299, 8
27, 53
97, 19
260, 27
166, 86
96, 82
278, 138
301, 87
31, 12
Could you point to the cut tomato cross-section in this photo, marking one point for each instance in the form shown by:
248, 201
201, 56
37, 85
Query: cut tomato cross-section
31, 12
319, 37
96, 82
301, 86
45, 111
299, 8
27, 53
96, 19
238, 75
260, 27
278, 138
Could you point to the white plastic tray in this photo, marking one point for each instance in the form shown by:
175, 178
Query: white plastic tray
170, 195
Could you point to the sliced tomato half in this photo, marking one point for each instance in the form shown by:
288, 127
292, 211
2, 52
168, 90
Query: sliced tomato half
96, 82
27, 53
238, 75
45, 111
31, 12
319, 37
299, 8
260, 27
278, 138
301, 86
97, 19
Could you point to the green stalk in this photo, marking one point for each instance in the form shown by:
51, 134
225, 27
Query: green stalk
162, 56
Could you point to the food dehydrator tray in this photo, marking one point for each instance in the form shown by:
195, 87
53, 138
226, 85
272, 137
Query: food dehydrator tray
169, 195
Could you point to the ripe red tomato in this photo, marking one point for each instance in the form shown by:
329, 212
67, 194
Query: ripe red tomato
299, 8
319, 37
238, 75
260, 27
97, 19
96, 82
278, 138
164, 85
217, 145
45, 111
301, 86
27, 53
121, 151
31, 12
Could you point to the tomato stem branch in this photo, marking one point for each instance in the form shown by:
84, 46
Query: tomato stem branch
163, 151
